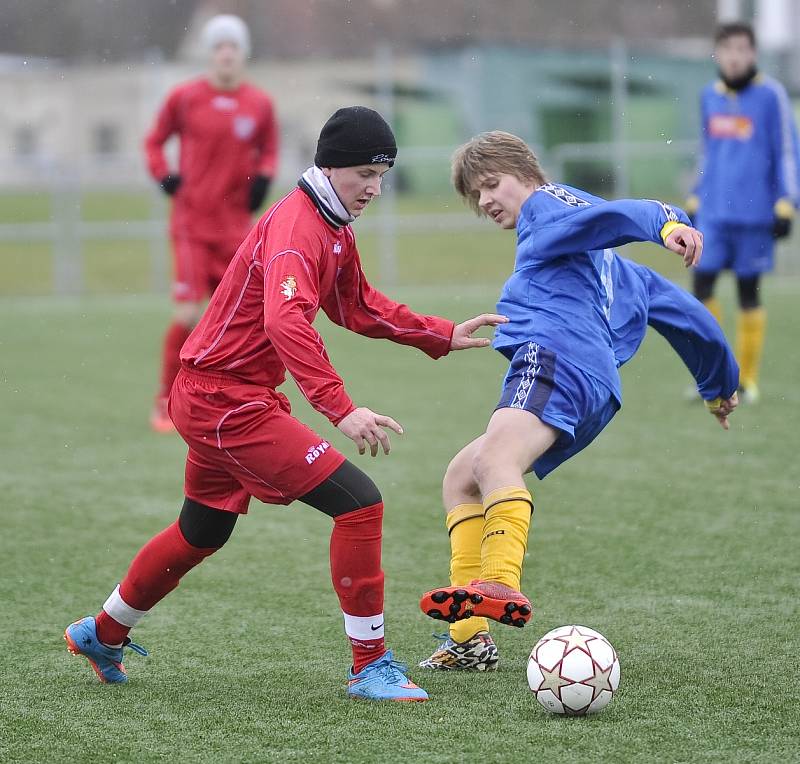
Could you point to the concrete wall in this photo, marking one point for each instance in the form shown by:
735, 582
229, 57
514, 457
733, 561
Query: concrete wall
91, 120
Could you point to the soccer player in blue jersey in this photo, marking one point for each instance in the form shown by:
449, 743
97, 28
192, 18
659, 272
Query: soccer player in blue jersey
577, 311
747, 189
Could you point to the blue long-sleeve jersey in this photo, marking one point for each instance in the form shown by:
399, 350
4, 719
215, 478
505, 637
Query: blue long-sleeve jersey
571, 293
750, 153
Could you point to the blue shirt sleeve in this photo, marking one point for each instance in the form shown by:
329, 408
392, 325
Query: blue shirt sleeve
695, 336
786, 156
703, 153
598, 226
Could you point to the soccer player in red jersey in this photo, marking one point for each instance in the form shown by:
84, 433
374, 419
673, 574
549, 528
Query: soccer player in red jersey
228, 153
243, 440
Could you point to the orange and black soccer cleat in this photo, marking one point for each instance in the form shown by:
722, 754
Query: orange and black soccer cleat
488, 599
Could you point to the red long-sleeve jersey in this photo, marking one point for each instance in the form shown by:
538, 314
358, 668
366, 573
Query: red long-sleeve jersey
258, 324
227, 137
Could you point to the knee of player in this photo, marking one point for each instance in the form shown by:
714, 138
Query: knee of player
205, 527
485, 462
348, 489
359, 486
369, 494
458, 479
457, 471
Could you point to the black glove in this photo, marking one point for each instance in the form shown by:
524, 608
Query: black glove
259, 189
781, 227
169, 184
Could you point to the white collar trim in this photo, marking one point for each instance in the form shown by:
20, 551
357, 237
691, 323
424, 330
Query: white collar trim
321, 186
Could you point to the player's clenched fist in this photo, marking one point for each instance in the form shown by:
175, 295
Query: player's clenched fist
687, 242
363, 426
462, 334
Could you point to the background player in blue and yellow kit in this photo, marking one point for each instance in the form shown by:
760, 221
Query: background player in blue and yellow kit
747, 188
577, 311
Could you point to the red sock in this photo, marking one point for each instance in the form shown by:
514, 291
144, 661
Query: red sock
176, 335
154, 573
358, 580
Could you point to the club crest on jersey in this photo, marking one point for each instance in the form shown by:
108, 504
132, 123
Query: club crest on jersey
289, 287
314, 452
243, 126
337, 248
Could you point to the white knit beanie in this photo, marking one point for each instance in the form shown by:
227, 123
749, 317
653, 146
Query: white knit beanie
226, 28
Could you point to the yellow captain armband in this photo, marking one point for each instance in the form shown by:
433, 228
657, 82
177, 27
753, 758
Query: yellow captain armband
784, 208
669, 227
715, 404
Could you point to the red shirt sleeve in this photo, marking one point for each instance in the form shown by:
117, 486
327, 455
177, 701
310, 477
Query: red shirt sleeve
358, 306
291, 298
268, 143
166, 124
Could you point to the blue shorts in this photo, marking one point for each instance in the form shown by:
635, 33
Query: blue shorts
561, 395
745, 250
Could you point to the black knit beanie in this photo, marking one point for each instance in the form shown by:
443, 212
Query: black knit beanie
353, 136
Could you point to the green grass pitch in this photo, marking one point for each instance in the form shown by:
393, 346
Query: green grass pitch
676, 540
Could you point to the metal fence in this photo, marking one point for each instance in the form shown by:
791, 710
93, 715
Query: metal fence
66, 232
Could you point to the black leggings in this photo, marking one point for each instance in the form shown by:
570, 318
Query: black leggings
346, 490
205, 527
747, 288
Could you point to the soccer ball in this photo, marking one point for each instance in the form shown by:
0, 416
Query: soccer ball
573, 670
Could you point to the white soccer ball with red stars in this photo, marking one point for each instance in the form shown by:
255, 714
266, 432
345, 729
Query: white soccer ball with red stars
573, 670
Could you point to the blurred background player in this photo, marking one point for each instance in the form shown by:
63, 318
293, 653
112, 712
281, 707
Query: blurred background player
747, 189
228, 155
243, 441
577, 311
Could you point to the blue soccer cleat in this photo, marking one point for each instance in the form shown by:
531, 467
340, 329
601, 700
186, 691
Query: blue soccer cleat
384, 679
81, 638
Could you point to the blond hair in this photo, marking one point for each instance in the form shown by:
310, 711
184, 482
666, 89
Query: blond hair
495, 152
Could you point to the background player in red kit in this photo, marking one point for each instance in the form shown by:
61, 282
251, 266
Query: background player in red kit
228, 154
243, 441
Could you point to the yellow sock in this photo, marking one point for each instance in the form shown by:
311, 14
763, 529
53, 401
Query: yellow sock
465, 526
750, 330
506, 522
714, 307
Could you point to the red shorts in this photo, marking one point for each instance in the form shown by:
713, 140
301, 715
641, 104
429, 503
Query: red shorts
200, 266
243, 442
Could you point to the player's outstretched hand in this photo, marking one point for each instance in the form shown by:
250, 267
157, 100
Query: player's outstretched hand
364, 427
721, 408
462, 334
687, 242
